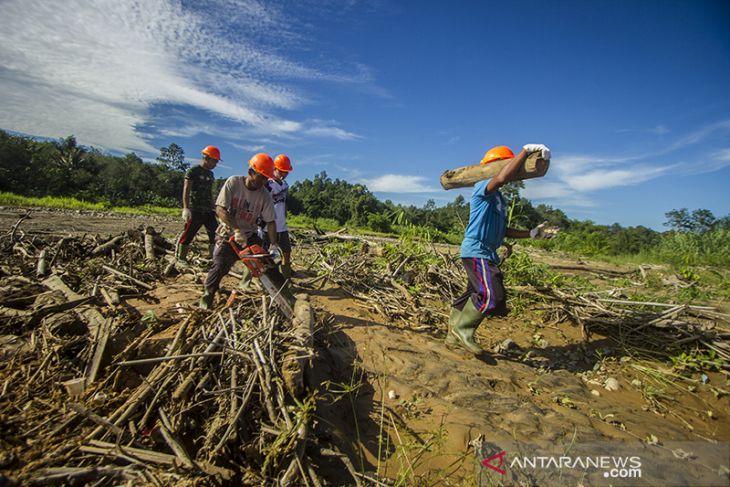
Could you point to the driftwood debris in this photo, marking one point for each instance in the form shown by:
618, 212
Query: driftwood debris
221, 401
534, 167
149, 243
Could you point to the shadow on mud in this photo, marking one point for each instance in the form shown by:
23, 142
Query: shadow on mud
347, 406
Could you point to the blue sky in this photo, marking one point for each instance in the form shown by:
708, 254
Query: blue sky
633, 97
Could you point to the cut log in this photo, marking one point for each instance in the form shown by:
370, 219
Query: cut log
301, 351
463, 177
108, 246
99, 327
149, 243
42, 267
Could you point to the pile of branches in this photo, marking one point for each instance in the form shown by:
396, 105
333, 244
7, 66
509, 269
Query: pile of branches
91, 392
415, 291
411, 286
649, 327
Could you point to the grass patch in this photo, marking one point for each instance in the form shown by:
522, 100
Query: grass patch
12, 199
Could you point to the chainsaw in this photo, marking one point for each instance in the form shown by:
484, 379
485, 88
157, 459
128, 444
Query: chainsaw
264, 267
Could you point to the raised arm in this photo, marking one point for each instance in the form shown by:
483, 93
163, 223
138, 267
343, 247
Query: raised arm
507, 172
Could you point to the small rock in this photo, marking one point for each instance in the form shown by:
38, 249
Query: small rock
6, 459
596, 393
704, 379
611, 384
392, 395
506, 345
636, 383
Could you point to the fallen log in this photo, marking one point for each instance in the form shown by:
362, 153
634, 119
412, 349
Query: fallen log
301, 350
108, 246
128, 277
42, 267
149, 243
463, 177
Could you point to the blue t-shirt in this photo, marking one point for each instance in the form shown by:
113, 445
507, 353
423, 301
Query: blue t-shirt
487, 224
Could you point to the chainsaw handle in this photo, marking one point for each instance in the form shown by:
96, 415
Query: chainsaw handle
249, 252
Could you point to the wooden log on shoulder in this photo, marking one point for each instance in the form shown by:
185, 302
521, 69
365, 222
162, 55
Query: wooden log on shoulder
463, 177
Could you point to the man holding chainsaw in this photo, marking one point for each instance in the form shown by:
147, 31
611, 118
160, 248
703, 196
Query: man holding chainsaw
485, 233
240, 202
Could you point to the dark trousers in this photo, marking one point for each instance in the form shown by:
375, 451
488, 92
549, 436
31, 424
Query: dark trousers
484, 286
223, 259
199, 218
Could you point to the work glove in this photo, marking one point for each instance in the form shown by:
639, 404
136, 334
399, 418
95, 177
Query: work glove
240, 238
187, 215
275, 253
542, 149
542, 232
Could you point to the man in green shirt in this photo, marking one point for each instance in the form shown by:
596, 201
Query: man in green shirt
197, 200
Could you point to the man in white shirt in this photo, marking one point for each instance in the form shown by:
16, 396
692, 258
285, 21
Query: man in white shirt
279, 189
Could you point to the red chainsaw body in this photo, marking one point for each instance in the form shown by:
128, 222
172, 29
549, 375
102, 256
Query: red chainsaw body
255, 257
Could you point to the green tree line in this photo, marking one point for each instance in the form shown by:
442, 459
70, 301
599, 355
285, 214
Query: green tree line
63, 168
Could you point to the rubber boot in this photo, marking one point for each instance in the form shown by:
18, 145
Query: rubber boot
451, 340
181, 256
206, 301
246, 278
465, 327
286, 270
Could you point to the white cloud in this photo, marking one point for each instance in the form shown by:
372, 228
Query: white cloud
399, 183
95, 69
723, 155
332, 132
595, 180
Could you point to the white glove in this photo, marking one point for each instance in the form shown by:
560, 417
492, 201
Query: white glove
544, 151
187, 214
240, 238
275, 253
541, 232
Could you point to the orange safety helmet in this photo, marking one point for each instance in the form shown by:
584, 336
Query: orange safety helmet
282, 163
212, 151
497, 154
262, 164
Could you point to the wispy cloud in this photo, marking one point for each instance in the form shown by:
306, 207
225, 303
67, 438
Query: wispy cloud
400, 183
96, 69
573, 177
656, 130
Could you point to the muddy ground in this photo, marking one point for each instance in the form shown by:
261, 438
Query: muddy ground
397, 400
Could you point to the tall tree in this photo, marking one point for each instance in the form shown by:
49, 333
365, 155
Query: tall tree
699, 221
173, 157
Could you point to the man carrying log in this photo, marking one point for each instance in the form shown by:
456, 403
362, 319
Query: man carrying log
197, 200
485, 232
241, 201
